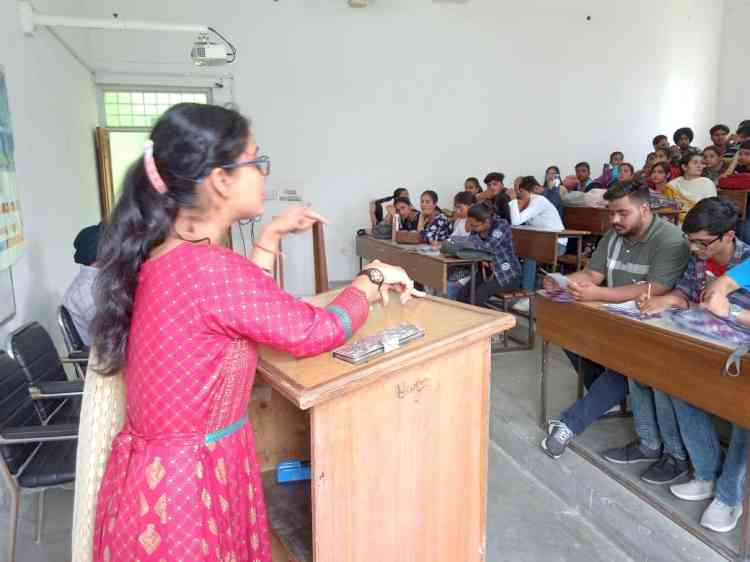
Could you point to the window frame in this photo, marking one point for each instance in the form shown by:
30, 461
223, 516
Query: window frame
136, 89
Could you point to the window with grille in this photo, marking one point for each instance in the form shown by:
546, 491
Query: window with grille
140, 108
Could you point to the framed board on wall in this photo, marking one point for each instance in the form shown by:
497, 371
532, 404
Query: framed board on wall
7, 296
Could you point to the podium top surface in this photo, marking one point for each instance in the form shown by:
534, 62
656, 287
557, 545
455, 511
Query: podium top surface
447, 324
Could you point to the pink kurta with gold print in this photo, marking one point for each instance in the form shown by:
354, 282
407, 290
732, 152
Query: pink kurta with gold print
183, 482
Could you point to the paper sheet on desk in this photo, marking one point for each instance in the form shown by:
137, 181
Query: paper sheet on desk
559, 278
631, 310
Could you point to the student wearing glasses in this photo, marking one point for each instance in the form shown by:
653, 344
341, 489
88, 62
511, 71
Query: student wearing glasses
709, 228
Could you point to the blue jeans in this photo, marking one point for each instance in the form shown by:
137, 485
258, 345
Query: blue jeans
702, 442
528, 270
655, 419
607, 391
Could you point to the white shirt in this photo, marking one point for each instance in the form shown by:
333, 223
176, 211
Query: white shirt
539, 213
79, 300
459, 228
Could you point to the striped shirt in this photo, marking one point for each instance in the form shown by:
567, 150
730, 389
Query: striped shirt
659, 257
697, 276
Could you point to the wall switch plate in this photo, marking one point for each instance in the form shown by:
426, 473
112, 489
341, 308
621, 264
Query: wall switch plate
271, 195
290, 195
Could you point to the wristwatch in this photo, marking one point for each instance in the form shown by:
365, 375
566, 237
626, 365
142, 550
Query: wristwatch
374, 275
735, 310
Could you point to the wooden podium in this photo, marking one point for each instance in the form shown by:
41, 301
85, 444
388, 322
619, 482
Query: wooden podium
398, 445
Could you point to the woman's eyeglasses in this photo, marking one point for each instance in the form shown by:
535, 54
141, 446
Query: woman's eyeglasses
262, 163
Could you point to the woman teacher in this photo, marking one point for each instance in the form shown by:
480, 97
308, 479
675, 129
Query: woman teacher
181, 318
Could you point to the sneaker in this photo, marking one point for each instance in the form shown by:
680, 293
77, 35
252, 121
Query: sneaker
557, 440
666, 470
720, 517
695, 490
632, 453
521, 305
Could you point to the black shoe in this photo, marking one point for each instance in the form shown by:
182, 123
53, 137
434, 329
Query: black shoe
632, 453
666, 470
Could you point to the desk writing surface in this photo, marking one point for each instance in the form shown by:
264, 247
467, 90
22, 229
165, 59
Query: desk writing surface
447, 324
653, 352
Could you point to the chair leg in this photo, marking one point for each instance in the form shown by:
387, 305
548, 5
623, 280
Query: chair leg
15, 503
40, 516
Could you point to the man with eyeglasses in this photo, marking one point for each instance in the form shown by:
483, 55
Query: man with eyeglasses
709, 228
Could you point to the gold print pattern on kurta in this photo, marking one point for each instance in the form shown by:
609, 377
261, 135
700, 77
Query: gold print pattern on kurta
204, 547
160, 508
247, 466
149, 539
199, 470
107, 555
206, 497
221, 471
223, 503
111, 524
253, 516
254, 541
143, 504
251, 491
155, 473
212, 527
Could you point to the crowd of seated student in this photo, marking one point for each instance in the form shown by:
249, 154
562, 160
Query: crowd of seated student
672, 435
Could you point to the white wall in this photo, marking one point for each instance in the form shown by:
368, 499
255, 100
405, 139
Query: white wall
351, 103
735, 60
53, 111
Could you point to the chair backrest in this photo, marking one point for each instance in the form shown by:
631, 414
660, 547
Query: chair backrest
16, 410
70, 333
33, 349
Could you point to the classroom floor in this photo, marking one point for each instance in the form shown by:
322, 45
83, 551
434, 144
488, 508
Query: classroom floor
538, 509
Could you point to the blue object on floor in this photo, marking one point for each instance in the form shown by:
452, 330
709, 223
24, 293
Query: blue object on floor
292, 470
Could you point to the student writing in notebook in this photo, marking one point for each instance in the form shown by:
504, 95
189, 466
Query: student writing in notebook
709, 228
640, 250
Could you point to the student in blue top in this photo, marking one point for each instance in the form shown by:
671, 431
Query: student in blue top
709, 227
493, 235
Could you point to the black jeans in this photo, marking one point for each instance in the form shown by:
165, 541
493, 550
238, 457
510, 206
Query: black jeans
488, 289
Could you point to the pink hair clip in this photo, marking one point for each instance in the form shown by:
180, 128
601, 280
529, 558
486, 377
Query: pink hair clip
150, 165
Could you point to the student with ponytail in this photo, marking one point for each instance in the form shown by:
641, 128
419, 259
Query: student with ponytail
179, 319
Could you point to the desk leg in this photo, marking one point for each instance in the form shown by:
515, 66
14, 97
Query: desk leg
744, 553
579, 251
473, 294
543, 383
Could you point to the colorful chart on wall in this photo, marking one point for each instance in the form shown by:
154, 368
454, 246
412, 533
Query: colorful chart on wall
11, 226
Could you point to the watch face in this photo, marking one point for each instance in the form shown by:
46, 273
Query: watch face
376, 276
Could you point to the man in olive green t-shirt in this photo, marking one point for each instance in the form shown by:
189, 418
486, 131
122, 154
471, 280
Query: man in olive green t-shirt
641, 252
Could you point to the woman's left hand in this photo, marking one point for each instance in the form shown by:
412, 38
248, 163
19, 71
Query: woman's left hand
295, 219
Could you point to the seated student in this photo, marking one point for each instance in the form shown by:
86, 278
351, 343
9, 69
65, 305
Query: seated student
682, 138
734, 141
552, 188
740, 163
493, 235
494, 185
691, 187
611, 171
582, 180
720, 138
79, 298
715, 165
432, 226
709, 227
658, 182
472, 186
737, 175
461, 204
626, 172
661, 142
640, 250
530, 209
381, 209
408, 215
643, 174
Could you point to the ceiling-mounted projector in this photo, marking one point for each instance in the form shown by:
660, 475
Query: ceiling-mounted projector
208, 53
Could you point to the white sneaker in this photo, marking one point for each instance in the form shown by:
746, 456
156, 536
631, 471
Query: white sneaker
720, 517
695, 490
521, 306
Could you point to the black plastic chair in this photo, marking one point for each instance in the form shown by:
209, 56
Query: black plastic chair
32, 347
34, 457
73, 341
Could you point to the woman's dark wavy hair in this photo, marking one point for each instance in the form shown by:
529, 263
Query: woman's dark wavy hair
189, 141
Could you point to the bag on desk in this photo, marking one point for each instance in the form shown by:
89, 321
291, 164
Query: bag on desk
463, 248
382, 231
